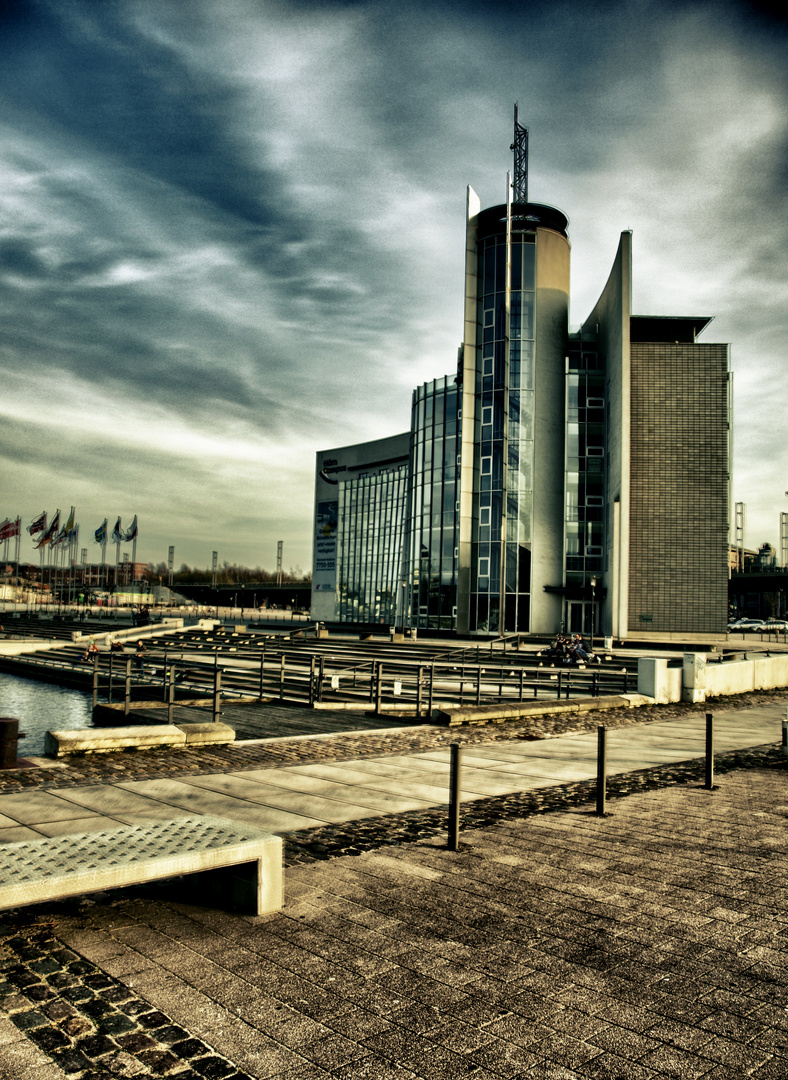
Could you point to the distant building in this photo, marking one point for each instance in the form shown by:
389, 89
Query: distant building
556, 478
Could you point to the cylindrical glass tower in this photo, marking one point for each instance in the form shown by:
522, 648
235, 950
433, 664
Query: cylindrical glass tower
512, 375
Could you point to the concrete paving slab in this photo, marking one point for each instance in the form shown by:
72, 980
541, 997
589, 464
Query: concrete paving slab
115, 801
18, 832
185, 797
91, 823
567, 749
315, 806
352, 773
33, 807
367, 797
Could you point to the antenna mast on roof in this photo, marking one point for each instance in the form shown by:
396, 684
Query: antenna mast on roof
520, 147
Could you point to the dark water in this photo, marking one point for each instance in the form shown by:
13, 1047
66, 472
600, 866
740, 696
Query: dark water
40, 707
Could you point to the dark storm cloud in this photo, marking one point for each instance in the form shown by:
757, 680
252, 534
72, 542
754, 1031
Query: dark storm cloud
232, 231
89, 70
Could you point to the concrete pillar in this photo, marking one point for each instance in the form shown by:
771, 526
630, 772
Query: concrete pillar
693, 685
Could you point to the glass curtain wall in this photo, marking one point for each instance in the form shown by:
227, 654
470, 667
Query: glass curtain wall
503, 497
370, 536
585, 464
432, 539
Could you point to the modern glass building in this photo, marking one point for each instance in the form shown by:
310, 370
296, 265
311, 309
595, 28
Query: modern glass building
557, 480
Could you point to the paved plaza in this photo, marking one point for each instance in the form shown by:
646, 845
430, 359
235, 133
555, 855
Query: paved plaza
645, 944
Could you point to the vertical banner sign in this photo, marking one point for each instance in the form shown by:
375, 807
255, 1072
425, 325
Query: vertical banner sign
325, 572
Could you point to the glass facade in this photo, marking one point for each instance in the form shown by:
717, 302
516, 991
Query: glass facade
503, 492
585, 463
432, 534
370, 538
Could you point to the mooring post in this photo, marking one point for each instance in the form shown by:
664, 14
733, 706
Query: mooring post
709, 784
312, 669
320, 677
454, 797
9, 734
785, 737
419, 682
95, 679
601, 771
109, 684
127, 689
432, 689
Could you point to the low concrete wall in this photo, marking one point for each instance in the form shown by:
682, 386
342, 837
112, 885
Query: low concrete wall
698, 679
730, 677
770, 671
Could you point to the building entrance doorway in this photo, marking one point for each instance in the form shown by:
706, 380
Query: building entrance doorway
578, 619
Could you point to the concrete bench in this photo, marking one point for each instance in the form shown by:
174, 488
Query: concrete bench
240, 865
139, 737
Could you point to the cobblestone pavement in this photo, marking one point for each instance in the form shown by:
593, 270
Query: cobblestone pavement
150, 764
555, 944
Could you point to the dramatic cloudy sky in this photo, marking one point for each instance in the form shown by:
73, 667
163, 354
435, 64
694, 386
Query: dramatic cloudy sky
231, 231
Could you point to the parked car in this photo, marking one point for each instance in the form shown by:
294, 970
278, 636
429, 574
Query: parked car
743, 626
775, 626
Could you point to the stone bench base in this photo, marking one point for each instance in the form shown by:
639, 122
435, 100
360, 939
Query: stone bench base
242, 864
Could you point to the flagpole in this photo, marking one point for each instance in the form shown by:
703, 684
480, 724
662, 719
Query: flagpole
18, 541
117, 563
74, 550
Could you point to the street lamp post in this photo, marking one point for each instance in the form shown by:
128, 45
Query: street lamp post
593, 609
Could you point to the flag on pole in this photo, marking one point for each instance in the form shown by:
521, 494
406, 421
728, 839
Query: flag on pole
131, 533
71, 528
51, 532
100, 535
39, 525
10, 529
117, 533
67, 532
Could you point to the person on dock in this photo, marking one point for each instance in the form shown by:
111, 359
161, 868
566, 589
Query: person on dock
141, 650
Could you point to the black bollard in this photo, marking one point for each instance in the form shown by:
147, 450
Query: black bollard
454, 798
709, 781
601, 771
